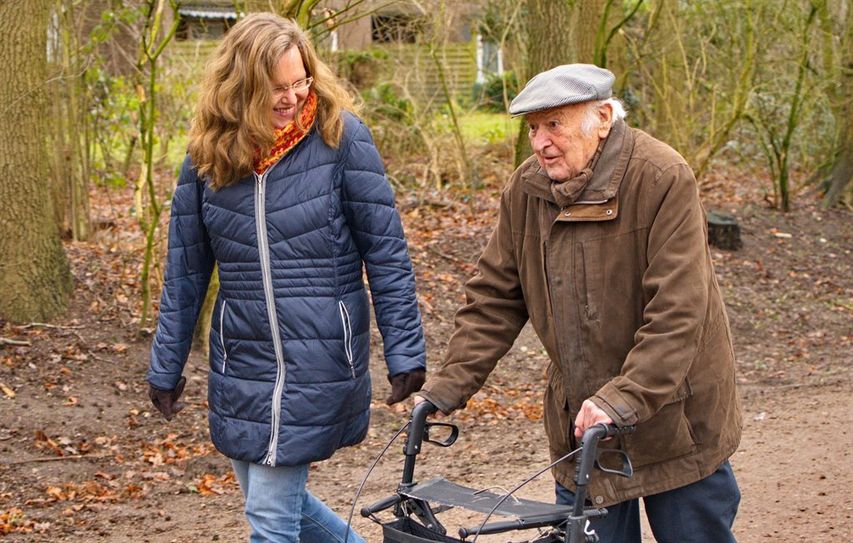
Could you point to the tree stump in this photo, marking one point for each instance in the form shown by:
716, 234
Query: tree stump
723, 231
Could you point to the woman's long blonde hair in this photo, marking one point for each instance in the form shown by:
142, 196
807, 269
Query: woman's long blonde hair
233, 116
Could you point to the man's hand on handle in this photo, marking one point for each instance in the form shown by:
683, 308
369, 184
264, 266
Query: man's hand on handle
418, 399
589, 415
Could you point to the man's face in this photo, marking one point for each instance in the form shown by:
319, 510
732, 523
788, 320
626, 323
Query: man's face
560, 144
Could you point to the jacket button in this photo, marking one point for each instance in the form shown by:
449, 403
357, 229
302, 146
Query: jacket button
609, 212
567, 213
599, 500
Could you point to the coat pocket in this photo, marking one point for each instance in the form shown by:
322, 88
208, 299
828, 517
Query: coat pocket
558, 425
665, 436
222, 334
346, 323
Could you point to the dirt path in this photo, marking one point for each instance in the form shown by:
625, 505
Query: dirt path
792, 466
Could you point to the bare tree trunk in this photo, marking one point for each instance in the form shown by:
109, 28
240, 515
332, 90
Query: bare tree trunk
586, 25
69, 103
546, 48
34, 277
146, 196
841, 180
669, 78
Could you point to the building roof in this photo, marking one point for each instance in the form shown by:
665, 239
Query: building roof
208, 10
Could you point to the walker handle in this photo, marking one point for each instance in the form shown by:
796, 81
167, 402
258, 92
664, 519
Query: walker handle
417, 425
381, 505
415, 438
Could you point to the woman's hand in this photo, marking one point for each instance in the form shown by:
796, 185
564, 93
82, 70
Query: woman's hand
404, 384
166, 401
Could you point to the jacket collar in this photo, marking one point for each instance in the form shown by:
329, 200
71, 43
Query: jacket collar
604, 176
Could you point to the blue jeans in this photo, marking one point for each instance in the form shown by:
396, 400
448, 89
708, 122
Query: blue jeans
701, 512
281, 510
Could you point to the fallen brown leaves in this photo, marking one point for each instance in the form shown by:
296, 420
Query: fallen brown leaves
13, 520
169, 451
44, 442
7, 391
213, 485
489, 410
87, 492
62, 445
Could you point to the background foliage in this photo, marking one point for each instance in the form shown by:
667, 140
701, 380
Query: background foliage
744, 89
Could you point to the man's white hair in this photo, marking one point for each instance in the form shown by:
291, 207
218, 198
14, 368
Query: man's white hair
590, 120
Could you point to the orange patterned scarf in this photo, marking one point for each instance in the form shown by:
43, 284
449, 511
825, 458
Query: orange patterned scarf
287, 137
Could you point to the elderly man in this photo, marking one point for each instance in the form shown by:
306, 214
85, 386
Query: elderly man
601, 243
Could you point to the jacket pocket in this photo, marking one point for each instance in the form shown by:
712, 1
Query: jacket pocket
558, 425
347, 327
665, 436
222, 334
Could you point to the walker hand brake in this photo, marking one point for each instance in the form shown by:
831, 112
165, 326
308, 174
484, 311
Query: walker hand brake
627, 469
448, 441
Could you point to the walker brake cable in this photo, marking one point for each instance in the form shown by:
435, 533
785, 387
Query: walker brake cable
519, 486
364, 481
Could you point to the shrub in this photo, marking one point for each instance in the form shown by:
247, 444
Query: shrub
489, 96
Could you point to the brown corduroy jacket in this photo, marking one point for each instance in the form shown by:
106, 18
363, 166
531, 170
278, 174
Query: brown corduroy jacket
620, 288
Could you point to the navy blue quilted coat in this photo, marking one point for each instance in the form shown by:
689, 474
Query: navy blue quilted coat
288, 381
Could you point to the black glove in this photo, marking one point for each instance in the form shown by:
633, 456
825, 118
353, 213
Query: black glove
166, 401
404, 384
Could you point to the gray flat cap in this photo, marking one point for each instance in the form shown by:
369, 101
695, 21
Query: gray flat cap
561, 86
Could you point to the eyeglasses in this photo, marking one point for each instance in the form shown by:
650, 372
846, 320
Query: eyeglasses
297, 86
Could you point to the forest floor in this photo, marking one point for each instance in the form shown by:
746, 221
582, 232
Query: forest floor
83, 457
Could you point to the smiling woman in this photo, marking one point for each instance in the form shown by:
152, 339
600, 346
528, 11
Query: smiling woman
290, 87
285, 192
259, 80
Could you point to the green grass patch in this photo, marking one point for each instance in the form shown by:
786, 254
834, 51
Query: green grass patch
479, 128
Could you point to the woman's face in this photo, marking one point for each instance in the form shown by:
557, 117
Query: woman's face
289, 90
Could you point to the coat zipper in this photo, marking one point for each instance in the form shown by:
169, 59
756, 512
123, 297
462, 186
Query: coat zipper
548, 276
264, 250
345, 321
222, 334
553, 302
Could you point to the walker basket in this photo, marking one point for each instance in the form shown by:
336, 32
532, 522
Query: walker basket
405, 530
